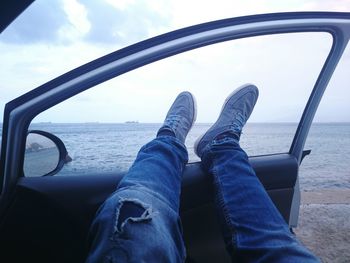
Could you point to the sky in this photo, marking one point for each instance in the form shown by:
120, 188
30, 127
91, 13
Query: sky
53, 37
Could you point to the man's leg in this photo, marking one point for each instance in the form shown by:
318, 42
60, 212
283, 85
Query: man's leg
254, 230
140, 221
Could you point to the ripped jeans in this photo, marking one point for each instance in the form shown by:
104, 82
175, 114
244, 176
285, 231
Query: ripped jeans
140, 221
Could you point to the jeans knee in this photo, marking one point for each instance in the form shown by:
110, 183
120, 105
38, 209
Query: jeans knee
134, 223
131, 210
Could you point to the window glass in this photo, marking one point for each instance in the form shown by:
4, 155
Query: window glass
328, 166
104, 127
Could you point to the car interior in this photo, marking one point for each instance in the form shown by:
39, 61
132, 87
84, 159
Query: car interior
47, 218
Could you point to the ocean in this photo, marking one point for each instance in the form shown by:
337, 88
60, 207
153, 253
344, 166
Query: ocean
102, 147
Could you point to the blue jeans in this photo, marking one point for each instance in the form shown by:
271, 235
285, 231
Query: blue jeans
140, 221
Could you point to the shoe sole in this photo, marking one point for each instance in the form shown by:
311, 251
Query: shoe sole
222, 108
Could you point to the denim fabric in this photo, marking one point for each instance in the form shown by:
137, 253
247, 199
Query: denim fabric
253, 229
140, 222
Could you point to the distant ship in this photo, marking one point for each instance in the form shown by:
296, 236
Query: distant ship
131, 122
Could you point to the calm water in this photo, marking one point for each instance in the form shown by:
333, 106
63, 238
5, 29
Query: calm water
97, 147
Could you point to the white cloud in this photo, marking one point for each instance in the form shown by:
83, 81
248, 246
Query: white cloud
123, 22
40, 24
78, 25
94, 28
186, 13
121, 4
327, 5
24, 68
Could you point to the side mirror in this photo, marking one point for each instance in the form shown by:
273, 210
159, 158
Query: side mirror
45, 154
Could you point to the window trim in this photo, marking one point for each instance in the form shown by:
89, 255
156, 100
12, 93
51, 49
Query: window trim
19, 113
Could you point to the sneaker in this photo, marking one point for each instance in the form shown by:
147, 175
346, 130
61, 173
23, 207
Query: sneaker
180, 117
234, 114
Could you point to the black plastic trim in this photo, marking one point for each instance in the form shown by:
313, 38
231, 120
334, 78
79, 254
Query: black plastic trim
275, 172
10, 10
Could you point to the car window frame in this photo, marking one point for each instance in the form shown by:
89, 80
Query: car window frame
19, 113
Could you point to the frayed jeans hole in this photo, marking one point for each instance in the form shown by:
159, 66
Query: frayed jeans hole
133, 211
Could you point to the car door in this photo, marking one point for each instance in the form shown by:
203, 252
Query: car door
47, 218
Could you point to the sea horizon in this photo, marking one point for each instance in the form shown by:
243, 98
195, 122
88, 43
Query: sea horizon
112, 147
140, 122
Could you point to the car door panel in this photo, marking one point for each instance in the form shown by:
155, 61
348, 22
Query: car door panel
60, 209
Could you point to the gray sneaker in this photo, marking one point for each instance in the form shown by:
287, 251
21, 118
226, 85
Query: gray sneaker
234, 114
180, 117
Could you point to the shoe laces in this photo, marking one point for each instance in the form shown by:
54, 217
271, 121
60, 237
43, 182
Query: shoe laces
172, 121
238, 122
